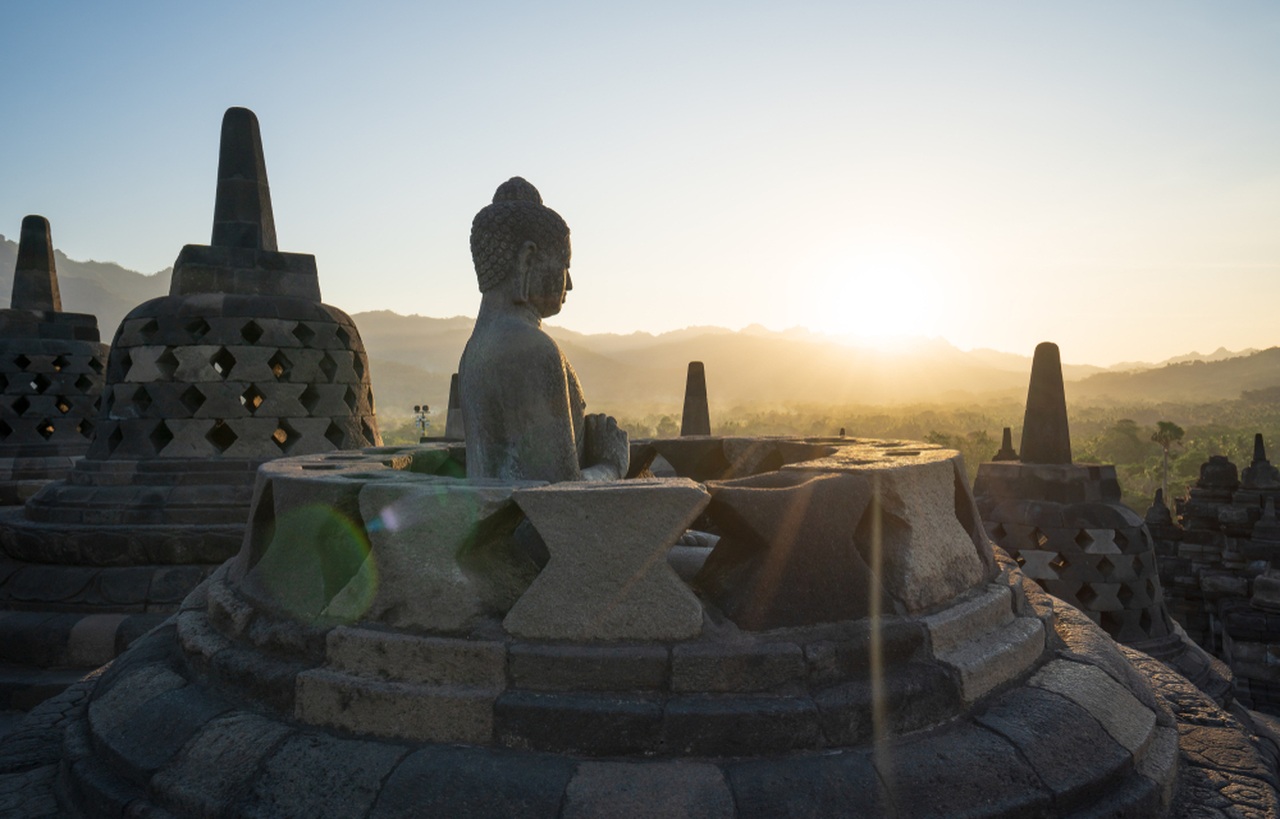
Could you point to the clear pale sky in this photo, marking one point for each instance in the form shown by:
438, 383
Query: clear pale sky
1101, 174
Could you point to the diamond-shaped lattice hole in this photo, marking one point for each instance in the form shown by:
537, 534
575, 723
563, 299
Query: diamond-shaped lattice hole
1086, 596
167, 362
63, 405
21, 405
1125, 595
45, 428
160, 437
5, 430
252, 398
141, 399
1022, 561
4, 383
1039, 539
1144, 621
95, 364
344, 338
369, 395
1151, 589
328, 366
40, 382
221, 436
22, 362
114, 439
192, 399
285, 436
357, 364
310, 398
85, 428
1121, 540
998, 532
251, 332
148, 331
1083, 539
1060, 564
349, 398
280, 365
334, 435
369, 434
60, 363
84, 383
303, 333
1112, 621
222, 362
198, 328
1106, 567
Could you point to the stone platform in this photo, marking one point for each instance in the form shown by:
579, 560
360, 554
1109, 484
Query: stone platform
413, 663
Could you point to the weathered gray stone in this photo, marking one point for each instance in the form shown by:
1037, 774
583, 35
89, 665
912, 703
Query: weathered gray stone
316, 775
608, 577
1046, 438
567, 667
735, 666
415, 658
658, 789
35, 279
696, 417
1125, 719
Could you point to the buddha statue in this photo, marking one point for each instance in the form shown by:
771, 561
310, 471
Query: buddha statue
522, 404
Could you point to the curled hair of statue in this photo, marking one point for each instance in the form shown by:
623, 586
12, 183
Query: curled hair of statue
516, 216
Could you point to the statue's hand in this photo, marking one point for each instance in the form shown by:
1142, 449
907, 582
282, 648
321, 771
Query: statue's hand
606, 446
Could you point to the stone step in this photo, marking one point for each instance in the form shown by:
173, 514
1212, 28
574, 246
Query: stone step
24, 687
958, 624
995, 657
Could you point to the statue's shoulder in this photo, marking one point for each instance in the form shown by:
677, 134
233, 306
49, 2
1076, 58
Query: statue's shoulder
516, 343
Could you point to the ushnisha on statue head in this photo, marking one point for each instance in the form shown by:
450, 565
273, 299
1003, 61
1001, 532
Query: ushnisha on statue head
522, 403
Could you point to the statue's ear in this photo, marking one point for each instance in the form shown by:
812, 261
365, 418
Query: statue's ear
524, 265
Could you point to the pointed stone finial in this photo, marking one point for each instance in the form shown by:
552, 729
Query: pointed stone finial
242, 215
696, 418
35, 279
1158, 512
1259, 449
1045, 436
1006, 452
453, 418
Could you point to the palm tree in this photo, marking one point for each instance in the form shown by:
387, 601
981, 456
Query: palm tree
1166, 435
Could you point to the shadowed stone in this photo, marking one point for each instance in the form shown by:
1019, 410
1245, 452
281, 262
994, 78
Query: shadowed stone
1045, 436
608, 577
421, 536
788, 555
242, 215
696, 417
1158, 512
1006, 452
35, 279
1260, 474
453, 427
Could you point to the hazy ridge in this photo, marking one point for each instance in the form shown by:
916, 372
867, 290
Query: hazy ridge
413, 356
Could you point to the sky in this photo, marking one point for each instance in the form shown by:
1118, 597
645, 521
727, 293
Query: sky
1102, 175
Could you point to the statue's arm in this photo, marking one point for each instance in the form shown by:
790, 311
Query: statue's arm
608, 452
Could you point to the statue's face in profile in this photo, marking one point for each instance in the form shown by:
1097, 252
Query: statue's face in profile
549, 280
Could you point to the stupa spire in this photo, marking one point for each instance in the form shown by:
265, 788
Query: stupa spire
1045, 436
242, 215
696, 417
35, 279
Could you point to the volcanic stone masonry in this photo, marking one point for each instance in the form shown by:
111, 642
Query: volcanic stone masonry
51, 373
238, 365
1218, 565
1065, 525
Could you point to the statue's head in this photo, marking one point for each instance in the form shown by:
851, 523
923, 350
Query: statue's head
520, 242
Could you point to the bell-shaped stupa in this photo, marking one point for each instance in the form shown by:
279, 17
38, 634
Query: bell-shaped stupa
240, 364
1066, 526
51, 372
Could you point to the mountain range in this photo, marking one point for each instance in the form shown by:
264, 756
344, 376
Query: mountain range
412, 357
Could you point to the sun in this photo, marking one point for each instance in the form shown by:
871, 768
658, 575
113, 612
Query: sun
879, 298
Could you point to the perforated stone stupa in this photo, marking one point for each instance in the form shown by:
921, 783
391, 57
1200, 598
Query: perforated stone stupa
241, 363
51, 373
1065, 525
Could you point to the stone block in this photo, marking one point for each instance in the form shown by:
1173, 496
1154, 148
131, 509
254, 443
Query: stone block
597, 724
733, 725
417, 659
568, 667
608, 577
840, 784
317, 775
458, 781
980, 613
914, 696
430, 713
788, 556
92, 641
422, 533
996, 657
1122, 716
647, 789
145, 742
832, 661
720, 667
215, 770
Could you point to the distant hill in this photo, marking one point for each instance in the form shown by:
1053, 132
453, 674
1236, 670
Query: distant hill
412, 357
